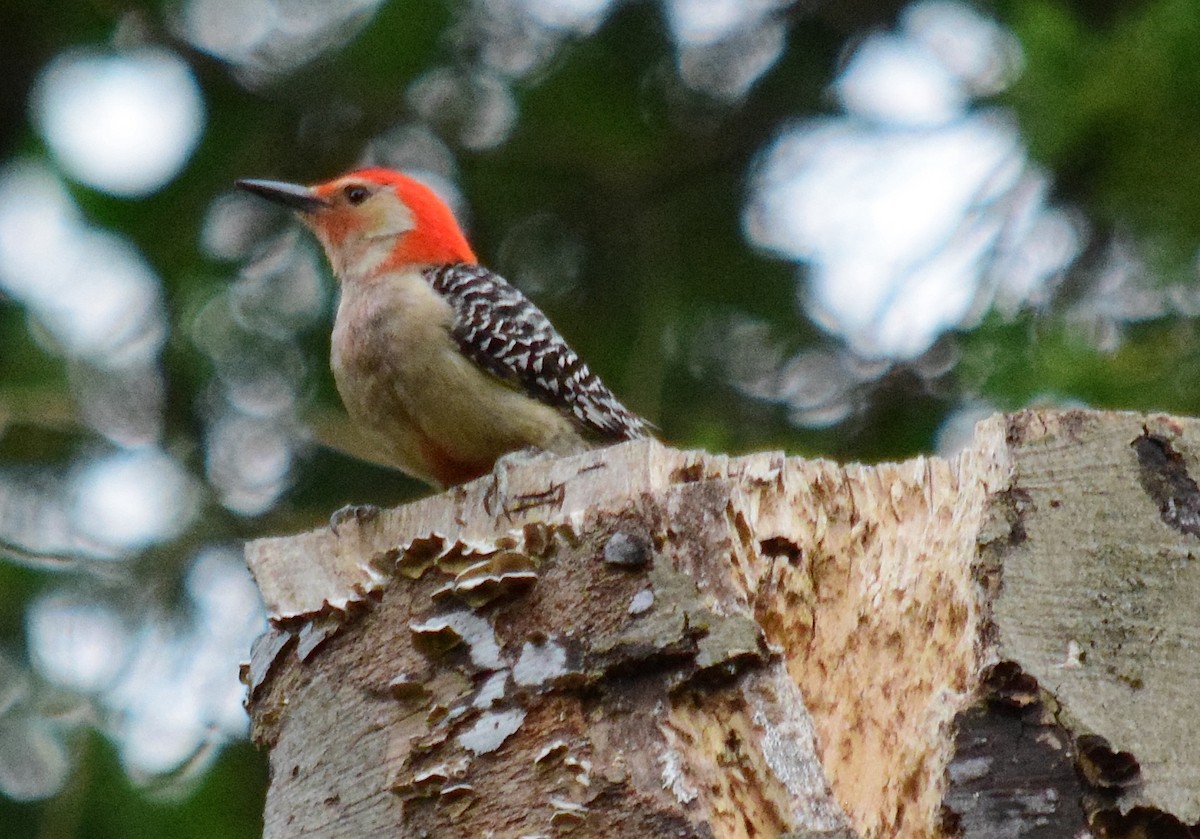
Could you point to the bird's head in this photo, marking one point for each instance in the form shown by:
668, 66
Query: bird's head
373, 220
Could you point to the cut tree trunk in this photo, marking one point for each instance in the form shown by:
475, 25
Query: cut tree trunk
643, 642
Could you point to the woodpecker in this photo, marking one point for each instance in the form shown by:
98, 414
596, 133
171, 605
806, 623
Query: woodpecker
445, 364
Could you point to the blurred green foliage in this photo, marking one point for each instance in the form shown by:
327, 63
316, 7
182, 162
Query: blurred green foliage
1113, 112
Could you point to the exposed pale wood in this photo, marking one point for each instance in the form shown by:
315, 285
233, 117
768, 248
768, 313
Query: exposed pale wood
676, 643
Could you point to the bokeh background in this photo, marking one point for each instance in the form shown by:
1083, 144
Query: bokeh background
840, 229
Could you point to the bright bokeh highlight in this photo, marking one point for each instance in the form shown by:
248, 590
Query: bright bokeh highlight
124, 123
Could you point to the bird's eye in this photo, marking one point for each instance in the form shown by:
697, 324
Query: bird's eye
356, 194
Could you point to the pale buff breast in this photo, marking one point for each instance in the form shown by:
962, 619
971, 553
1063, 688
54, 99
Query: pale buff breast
401, 375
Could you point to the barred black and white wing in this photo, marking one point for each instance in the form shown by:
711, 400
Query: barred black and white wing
501, 330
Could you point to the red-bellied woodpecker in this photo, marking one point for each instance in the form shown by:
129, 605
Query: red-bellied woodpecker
445, 364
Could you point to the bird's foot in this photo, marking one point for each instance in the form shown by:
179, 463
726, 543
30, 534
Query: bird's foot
361, 513
494, 498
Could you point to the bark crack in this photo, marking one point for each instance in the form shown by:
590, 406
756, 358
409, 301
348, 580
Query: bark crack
1164, 475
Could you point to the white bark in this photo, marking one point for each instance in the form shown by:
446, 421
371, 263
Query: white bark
642, 641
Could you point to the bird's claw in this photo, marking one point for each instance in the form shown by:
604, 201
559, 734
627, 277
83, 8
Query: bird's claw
494, 499
361, 513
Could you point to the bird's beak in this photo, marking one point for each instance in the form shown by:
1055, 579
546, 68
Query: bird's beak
296, 197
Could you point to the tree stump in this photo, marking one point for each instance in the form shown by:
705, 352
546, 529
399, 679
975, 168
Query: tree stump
643, 642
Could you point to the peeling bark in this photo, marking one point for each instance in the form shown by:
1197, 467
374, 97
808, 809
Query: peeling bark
647, 642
